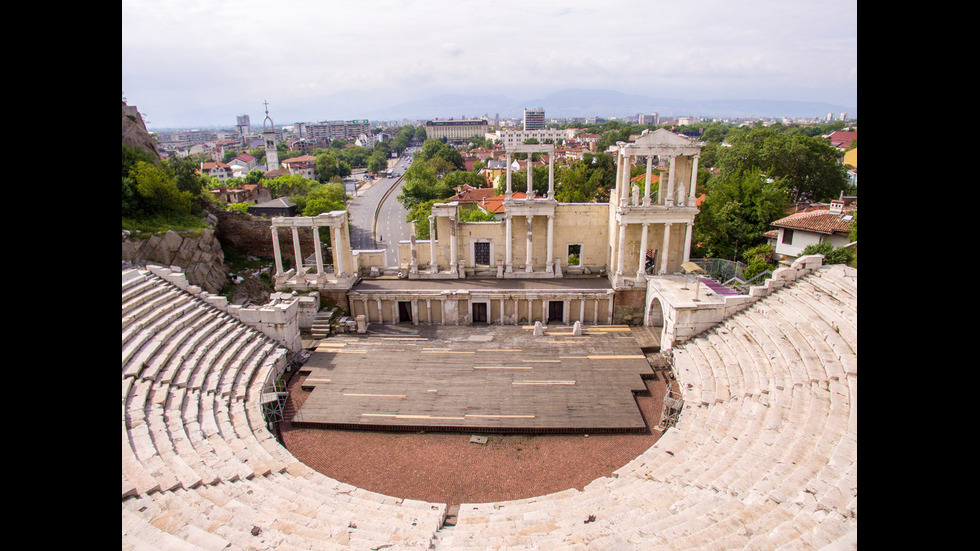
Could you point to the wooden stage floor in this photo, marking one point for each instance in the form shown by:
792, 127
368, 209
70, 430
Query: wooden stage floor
480, 379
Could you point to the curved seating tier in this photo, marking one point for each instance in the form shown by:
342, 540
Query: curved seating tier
763, 456
200, 468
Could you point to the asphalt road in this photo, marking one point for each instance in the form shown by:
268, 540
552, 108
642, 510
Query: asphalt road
380, 199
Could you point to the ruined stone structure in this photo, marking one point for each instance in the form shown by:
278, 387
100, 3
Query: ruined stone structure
576, 262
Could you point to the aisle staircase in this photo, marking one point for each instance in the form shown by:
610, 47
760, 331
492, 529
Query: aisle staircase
321, 324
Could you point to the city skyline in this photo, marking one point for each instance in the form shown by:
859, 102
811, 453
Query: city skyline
201, 64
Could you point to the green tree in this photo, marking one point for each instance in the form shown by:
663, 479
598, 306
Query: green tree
737, 210
324, 198
830, 254
254, 176
288, 184
421, 185
418, 216
810, 167
329, 164
185, 175
156, 185
461, 177
476, 214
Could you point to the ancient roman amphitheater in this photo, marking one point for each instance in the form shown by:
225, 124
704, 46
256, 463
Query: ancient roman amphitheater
762, 456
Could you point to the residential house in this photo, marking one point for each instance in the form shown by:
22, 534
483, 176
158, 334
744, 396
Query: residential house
304, 165
812, 225
841, 140
242, 165
245, 193
217, 169
495, 205
467, 195
274, 208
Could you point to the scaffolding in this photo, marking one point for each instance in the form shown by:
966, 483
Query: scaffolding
671, 410
274, 403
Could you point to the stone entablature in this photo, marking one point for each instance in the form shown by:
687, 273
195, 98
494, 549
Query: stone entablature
502, 306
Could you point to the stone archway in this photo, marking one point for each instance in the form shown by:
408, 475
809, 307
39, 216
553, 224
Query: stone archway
655, 317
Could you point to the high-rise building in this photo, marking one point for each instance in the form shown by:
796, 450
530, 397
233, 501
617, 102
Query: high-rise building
533, 119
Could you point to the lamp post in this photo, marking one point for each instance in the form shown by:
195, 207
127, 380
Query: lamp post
692, 268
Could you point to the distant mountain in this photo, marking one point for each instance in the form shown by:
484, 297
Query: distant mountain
601, 103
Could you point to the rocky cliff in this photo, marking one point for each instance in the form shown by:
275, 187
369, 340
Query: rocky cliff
199, 256
134, 133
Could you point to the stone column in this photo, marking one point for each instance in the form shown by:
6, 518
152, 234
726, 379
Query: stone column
692, 192
666, 249
275, 250
624, 178
453, 261
433, 267
501, 311
338, 254
381, 312
551, 176
528, 267
620, 258
670, 182
367, 314
509, 193
508, 253
649, 184
415, 311
641, 267
688, 237
530, 174
413, 267
296, 251
551, 238
318, 251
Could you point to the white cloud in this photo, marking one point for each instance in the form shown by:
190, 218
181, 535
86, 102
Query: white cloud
179, 52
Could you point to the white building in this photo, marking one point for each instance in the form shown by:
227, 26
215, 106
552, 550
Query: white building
820, 223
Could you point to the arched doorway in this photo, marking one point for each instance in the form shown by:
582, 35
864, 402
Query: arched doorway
654, 318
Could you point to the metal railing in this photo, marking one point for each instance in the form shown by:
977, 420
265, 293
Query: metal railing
721, 269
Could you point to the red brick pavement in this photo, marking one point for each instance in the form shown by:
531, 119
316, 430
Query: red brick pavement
446, 468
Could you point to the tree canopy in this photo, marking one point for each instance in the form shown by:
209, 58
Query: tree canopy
809, 166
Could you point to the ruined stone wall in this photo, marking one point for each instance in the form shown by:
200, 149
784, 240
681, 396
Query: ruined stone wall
253, 235
629, 306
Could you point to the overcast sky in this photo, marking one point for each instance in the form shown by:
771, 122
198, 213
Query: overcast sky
200, 63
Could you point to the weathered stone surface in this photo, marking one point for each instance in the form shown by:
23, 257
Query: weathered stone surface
199, 257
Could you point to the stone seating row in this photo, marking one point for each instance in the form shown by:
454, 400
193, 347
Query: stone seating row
763, 455
194, 436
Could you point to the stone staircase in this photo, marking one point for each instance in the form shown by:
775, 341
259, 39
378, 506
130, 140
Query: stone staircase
321, 324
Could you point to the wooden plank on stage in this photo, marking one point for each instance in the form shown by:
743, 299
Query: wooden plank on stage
460, 382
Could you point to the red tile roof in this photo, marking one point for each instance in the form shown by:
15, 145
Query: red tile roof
818, 221
495, 205
470, 194
842, 139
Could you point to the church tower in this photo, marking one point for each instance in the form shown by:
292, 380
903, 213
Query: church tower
269, 137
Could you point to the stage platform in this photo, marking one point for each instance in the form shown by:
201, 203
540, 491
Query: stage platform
487, 379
